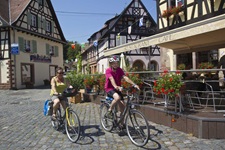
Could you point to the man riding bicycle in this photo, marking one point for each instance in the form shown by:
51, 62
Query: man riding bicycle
58, 85
114, 74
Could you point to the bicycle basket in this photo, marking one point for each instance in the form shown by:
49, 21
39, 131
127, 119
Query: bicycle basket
69, 92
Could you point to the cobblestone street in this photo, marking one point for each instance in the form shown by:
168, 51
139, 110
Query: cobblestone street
23, 126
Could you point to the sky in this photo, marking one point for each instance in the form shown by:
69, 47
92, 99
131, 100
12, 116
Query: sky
79, 19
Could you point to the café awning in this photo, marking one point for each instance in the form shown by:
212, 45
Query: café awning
203, 35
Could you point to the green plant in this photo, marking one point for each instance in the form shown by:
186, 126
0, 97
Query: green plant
89, 81
168, 84
101, 82
76, 80
205, 65
181, 67
134, 77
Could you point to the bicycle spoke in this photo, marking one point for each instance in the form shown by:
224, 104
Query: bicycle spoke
106, 123
137, 128
72, 126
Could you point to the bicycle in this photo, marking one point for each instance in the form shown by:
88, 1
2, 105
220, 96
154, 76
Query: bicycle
70, 120
136, 124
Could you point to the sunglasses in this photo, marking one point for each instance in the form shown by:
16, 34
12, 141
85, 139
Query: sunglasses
60, 72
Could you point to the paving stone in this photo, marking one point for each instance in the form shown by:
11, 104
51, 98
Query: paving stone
23, 126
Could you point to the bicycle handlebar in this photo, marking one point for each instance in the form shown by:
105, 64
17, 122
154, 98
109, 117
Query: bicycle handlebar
68, 92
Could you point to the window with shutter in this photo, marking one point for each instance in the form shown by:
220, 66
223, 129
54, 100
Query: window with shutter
48, 26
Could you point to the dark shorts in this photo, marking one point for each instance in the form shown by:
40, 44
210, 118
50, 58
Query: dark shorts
60, 98
110, 94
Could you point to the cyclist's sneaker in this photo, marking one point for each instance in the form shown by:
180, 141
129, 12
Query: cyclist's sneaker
53, 118
122, 133
109, 115
123, 127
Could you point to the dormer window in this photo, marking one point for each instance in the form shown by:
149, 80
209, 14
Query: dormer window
33, 20
48, 26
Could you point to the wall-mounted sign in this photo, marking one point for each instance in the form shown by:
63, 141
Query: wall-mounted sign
15, 49
40, 58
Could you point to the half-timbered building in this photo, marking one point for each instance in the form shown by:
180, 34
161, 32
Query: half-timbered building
188, 31
31, 43
132, 24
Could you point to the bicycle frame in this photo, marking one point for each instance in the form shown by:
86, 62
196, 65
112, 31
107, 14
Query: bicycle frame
125, 112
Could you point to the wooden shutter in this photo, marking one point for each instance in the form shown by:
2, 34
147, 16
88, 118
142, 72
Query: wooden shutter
56, 51
21, 44
47, 49
39, 22
44, 24
34, 46
28, 18
52, 28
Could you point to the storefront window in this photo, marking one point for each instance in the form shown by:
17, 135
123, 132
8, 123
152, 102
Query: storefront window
185, 59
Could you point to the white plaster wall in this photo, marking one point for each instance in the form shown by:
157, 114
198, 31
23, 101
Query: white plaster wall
103, 65
4, 71
41, 69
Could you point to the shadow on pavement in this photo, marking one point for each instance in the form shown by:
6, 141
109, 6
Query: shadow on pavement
156, 144
88, 133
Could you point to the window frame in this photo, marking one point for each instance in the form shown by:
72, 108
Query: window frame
33, 20
176, 3
48, 26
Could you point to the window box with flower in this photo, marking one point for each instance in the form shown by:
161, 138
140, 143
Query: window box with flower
206, 65
172, 11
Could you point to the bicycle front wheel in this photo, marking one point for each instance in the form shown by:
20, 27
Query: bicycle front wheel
137, 128
106, 122
72, 126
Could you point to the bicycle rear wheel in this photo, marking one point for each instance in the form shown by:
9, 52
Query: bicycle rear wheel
106, 123
56, 123
137, 128
72, 126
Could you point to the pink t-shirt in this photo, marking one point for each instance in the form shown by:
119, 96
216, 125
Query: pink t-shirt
117, 77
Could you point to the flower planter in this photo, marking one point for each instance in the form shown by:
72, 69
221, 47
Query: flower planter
88, 90
76, 99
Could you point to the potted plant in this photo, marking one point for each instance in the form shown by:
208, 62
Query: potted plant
46, 82
100, 81
29, 84
205, 65
76, 80
168, 84
135, 78
181, 67
89, 81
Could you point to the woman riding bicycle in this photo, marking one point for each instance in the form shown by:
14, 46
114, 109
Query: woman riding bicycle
58, 85
114, 74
